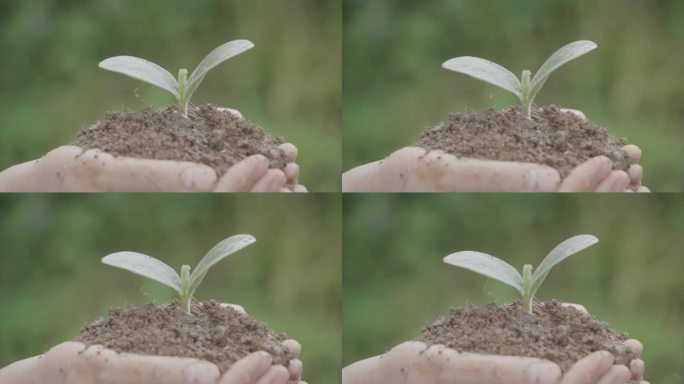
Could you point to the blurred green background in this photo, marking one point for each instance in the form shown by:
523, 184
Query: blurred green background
289, 84
395, 87
395, 281
52, 281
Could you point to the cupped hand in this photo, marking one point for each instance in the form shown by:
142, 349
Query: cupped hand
72, 169
412, 169
74, 363
413, 362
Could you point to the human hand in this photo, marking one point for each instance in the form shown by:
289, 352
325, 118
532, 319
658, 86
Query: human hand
71, 169
74, 363
413, 362
413, 169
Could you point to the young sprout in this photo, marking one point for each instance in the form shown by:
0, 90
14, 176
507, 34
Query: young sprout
525, 89
182, 88
528, 283
186, 284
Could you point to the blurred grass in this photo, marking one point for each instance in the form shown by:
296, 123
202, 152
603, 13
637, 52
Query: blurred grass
52, 281
394, 86
289, 84
395, 281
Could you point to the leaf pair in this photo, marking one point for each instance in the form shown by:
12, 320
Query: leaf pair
184, 284
524, 88
526, 284
182, 88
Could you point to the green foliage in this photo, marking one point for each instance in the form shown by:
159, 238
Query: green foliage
524, 89
393, 283
182, 88
184, 284
526, 283
52, 281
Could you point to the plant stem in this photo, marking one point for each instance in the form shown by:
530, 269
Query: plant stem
185, 288
527, 285
525, 93
183, 91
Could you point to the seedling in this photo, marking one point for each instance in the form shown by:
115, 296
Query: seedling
524, 88
182, 88
186, 284
528, 283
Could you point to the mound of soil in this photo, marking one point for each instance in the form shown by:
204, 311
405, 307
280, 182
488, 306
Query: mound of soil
209, 136
214, 333
559, 139
555, 332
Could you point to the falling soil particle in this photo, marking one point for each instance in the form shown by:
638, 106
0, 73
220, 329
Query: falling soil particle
213, 332
553, 137
555, 332
209, 135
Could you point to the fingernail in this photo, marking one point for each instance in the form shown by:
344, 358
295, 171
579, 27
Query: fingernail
540, 373
542, 180
201, 373
198, 179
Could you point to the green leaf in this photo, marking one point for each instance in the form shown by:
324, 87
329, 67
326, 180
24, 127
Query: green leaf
487, 265
141, 69
563, 55
144, 265
485, 70
216, 254
214, 58
561, 252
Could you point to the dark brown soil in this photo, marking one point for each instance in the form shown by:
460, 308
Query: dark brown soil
218, 334
555, 332
561, 140
209, 136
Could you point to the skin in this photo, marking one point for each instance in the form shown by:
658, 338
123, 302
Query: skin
412, 169
413, 362
71, 169
73, 363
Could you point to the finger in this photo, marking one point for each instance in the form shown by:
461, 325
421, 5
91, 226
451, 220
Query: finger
295, 368
450, 366
293, 346
635, 173
277, 374
636, 367
634, 346
242, 176
285, 190
27, 371
618, 374
290, 151
238, 308
249, 369
98, 364
232, 111
299, 189
575, 112
587, 176
633, 151
273, 180
589, 369
578, 307
291, 171
616, 181
94, 170
444, 172
643, 189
